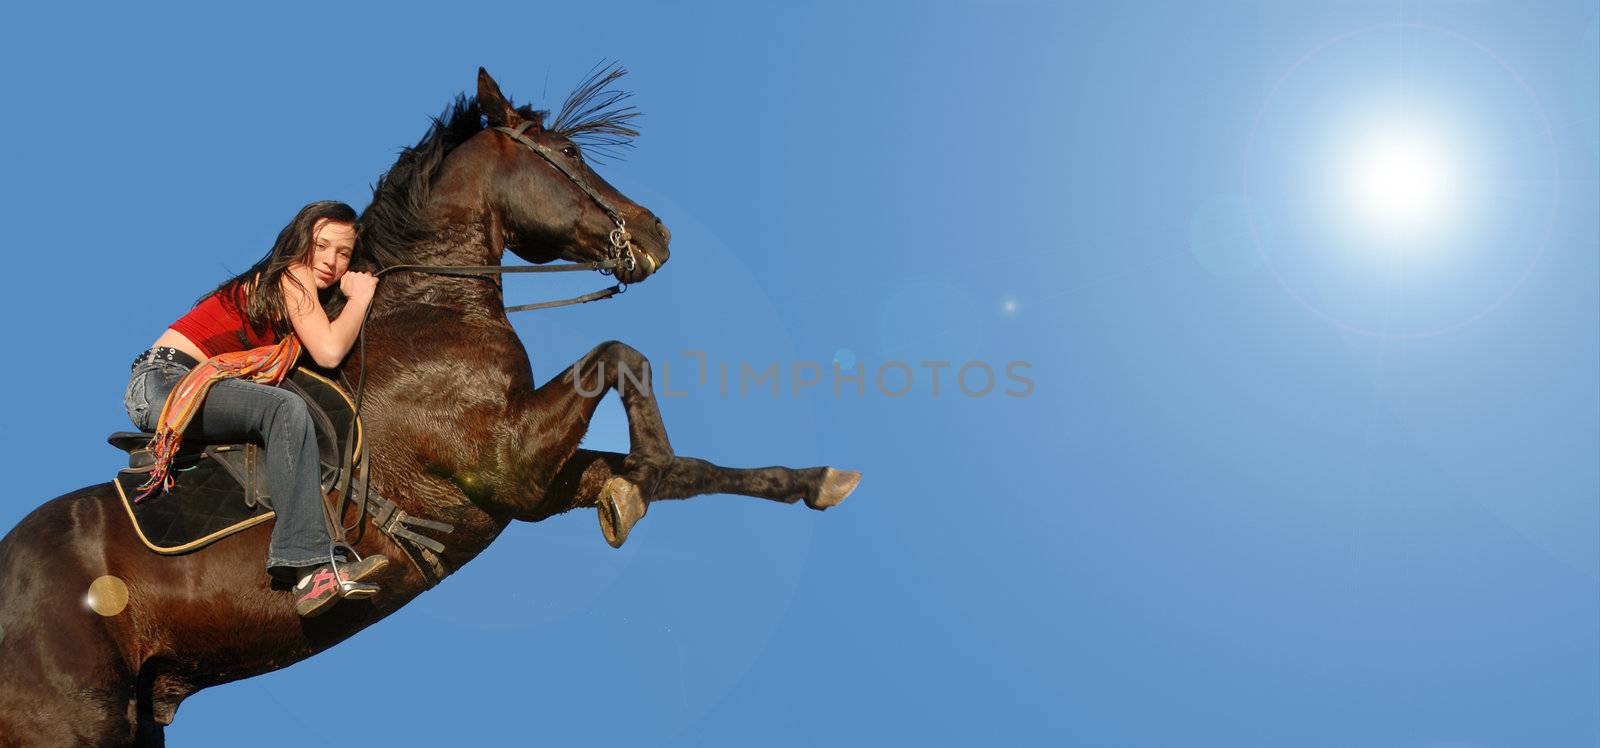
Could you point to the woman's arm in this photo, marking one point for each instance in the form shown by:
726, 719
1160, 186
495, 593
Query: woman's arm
327, 341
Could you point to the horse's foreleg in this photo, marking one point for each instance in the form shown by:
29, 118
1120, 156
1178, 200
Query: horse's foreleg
586, 478
564, 405
557, 414
554, 418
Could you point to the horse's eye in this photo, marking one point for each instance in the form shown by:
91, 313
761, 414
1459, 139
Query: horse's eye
570, 151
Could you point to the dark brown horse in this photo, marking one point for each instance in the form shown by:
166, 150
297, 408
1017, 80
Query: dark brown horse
457, 431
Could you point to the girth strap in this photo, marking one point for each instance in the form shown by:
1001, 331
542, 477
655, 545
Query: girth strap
389, 518
393, 521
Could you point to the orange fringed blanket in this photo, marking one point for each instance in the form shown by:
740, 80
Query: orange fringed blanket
265, 365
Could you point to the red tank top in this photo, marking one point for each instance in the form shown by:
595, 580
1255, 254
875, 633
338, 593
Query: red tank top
217, 324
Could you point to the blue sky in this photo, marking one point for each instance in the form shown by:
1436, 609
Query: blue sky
1292, 472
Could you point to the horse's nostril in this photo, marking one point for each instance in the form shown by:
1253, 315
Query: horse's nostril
666, 235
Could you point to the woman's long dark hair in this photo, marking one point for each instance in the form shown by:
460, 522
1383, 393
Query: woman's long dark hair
266, 311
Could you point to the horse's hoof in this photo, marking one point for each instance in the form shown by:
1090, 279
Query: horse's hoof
836, 484
620, 506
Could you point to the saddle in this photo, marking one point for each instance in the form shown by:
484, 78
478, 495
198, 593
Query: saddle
221, 488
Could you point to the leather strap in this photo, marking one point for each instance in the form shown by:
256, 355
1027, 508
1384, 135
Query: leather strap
604, 293
390, 519
516, 133
502, 269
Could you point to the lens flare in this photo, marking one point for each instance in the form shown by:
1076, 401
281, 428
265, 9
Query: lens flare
108, 596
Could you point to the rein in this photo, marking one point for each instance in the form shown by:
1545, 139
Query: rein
620, 254
604, 267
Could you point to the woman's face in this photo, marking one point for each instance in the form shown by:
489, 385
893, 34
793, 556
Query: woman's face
331, 246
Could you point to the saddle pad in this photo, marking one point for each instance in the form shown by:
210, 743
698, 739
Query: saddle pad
210, 501
206, 505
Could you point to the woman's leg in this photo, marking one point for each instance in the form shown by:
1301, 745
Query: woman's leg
236, 408
148, 385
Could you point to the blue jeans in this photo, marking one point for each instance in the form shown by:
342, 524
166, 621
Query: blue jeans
237, 410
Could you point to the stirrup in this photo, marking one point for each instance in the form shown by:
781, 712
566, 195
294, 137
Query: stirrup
349, 589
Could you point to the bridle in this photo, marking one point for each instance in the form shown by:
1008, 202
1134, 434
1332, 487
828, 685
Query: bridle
619, 255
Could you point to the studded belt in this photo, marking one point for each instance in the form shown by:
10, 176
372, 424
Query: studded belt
165, 353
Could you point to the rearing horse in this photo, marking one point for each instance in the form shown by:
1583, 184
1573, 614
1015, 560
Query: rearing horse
456, 431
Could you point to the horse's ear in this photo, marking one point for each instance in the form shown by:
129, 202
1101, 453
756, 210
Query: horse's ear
492, 103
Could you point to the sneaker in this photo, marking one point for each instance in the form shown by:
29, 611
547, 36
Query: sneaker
321, 588
366, 567
316, 592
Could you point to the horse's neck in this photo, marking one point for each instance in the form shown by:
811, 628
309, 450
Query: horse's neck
453, 245
465, 243
427, 333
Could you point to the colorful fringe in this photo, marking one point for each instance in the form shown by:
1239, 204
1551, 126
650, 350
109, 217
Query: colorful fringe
265, 365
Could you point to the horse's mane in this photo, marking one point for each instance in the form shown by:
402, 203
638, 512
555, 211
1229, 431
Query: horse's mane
394, 222
594, 115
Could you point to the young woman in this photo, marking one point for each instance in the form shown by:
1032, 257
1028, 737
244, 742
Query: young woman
302, 286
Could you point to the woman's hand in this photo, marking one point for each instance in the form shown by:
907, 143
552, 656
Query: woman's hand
326, 340
358, 285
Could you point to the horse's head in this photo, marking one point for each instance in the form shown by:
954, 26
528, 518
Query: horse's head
548, 201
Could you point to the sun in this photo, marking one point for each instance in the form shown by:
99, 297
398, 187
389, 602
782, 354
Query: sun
1400, 181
